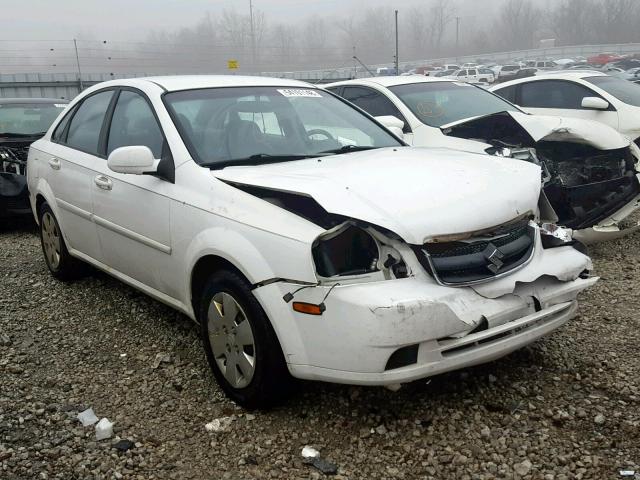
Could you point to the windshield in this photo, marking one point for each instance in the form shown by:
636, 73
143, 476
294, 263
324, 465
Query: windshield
440, 103
28, 118
623, 90
223, 125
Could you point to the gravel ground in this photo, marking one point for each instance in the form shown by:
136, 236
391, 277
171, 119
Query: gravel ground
565, 407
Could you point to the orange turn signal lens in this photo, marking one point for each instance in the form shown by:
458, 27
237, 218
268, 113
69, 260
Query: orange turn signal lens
308, 308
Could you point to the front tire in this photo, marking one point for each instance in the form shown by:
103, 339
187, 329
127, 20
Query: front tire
241, 346
60, 263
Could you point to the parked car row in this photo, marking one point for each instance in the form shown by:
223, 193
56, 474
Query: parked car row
624, 66
372, 232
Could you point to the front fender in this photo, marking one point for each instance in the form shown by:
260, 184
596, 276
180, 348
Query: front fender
258, 255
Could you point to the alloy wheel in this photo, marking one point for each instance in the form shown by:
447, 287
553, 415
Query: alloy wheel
231, 340
51, 240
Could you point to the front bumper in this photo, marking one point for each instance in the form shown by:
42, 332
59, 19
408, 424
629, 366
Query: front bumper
622, 223
14, 195
451, 328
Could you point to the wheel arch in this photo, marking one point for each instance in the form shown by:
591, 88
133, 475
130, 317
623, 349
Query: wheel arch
204, 267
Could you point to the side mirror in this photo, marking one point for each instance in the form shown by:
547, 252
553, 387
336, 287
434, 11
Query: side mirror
595, 103
393, 124
134, 160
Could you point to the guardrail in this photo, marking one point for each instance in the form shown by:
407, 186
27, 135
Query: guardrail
68, 85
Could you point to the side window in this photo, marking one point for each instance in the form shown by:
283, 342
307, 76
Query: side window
59, 133
85, 126
374, 103
462, 73
473, 72
371, 101
133, 124
553, 94
508, 93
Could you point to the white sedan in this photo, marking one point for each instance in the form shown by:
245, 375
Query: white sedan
587, 94
305, 239
589, 169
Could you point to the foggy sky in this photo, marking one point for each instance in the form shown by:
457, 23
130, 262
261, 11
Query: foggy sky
134, 19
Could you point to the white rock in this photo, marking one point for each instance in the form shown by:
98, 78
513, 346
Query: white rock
310, 452
104, 429
87, 417
523, 468
219, 424
599, 419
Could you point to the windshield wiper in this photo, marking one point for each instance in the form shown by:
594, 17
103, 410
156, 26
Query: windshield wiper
348, 148
257, 159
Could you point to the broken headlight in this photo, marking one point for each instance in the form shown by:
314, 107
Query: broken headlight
351, 249
346, 250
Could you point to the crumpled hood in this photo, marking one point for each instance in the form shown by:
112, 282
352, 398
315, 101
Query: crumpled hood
418, 193
560, 129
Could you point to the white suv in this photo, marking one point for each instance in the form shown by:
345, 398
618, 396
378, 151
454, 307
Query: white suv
304, 237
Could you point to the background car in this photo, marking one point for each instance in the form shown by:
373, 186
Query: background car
588, 95
604, 58
473, 75
507, 71
22, 122
590, 176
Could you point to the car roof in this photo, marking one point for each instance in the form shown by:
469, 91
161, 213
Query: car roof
390, 81
193, 82
564, 74
23, 101
188, 82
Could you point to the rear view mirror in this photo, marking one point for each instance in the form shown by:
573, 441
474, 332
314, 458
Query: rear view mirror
134, 160
595, 103
393, 124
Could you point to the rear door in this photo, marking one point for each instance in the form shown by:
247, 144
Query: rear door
564, 98
70, 165
132, 212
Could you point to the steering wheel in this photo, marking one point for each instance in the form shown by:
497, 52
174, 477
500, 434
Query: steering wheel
320, 131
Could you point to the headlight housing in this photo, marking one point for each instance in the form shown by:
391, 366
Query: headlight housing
347, 250
353, 250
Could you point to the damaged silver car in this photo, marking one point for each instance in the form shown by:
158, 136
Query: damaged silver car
589, 170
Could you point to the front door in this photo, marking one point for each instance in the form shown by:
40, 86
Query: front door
132, 212
564, 98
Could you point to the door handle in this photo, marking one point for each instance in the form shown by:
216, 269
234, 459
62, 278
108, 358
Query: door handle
103, 182
55, 163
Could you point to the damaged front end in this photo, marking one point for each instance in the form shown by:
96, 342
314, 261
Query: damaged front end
389, 312
14, 195
589, 177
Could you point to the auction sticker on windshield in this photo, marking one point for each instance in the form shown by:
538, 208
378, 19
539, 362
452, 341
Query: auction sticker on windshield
298, 92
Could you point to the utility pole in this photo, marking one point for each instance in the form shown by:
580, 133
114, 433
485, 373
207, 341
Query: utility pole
397, 59
75, 46
253, 35
457, 34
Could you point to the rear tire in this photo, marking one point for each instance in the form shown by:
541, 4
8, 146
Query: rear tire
60, 263
241, 346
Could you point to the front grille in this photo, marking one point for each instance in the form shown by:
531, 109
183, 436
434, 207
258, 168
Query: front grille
479, 259
14, 159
